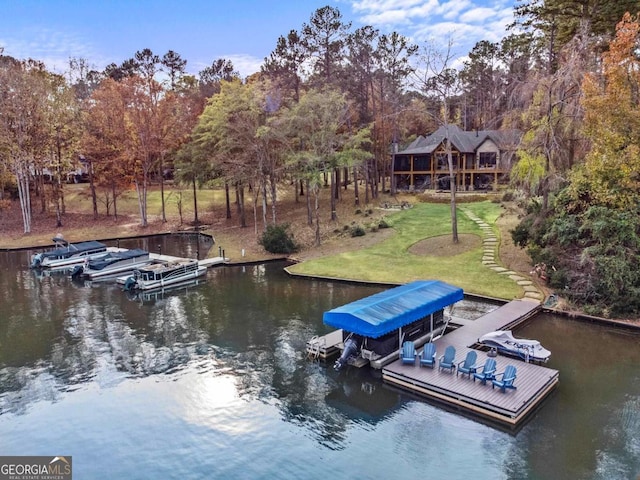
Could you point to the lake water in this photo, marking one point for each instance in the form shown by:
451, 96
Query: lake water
211, 381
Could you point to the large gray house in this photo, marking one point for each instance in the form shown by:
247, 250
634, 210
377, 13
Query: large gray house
482, 159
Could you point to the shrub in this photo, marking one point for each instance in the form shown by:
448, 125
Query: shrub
277, 239
383, 224
357, 231
520, 234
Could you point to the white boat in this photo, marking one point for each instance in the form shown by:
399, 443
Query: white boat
112, 263
506, 343
156, 275
66, 254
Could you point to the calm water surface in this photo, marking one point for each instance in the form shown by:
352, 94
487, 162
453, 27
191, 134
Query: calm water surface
211, 381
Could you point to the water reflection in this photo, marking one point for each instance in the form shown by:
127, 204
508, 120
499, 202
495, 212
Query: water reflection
599, 378
218, 370
65, 334
164, 293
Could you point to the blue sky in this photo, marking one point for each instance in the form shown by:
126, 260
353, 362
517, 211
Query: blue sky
244, 31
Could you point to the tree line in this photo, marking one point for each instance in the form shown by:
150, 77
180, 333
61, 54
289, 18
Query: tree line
328, 107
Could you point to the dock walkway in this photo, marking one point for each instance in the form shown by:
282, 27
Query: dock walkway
534, 382
207, 262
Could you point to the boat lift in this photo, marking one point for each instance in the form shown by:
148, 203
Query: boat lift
373, 318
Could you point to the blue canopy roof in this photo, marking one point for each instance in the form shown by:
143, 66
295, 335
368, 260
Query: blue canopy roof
383, 312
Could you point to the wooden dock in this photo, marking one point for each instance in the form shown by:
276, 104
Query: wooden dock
534, 382
207, 262
212, 261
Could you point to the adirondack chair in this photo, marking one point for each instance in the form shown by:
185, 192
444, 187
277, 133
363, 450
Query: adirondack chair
506, 379
428, 355
488, 371
447, 360
468, 365
408, 353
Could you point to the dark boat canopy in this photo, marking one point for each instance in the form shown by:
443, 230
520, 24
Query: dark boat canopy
113, 257
383, 312
75, 247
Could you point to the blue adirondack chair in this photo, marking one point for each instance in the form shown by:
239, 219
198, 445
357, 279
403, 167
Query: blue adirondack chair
506, 379
408, 353
468, 365
488, 371
428, 355
448, 359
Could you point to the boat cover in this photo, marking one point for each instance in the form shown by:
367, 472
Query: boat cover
112, 257
78, 247
383, 312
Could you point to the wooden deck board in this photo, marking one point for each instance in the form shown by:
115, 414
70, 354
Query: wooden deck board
533, 381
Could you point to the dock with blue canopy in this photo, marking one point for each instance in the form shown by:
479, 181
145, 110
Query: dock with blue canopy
379, 314
414, 311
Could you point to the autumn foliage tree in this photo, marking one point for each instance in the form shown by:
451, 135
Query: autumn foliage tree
105, 140
225, 134
611, 174
321, 144
591, 239
24, 134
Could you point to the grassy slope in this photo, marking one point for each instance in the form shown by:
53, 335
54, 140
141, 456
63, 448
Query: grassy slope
390, 261
80, 200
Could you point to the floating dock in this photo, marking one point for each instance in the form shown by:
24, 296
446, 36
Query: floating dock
534, 382
207, 262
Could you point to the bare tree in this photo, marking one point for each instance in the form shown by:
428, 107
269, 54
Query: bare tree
436, 79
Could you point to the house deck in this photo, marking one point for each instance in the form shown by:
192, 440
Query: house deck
534, 382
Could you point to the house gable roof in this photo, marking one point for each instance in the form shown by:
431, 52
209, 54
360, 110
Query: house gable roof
463, 141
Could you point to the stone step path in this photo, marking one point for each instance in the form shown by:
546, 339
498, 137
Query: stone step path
490, 245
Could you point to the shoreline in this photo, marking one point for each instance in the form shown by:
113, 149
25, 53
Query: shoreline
237, 242
616, 323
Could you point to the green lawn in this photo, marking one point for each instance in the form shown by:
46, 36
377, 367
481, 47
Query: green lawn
391, 262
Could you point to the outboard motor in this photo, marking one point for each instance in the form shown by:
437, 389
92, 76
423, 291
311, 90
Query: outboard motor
129, 284
77, 271
351, 346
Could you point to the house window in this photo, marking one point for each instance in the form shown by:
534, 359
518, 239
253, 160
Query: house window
403, 164
468, 162
421, 163
488, 159
442, 164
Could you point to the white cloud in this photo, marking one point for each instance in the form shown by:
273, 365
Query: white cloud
453, 9
477, 15
394, 12
441, 32
51, 47
245, 64
390, 17
384, 5
464, 22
